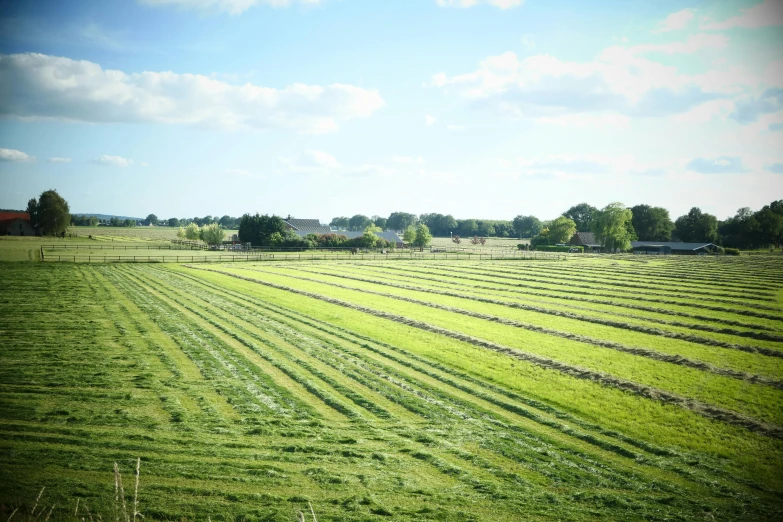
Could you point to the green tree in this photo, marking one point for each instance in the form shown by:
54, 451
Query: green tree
527, 226
359, 222
582, 215
409, 236
32, 211
380, 222
212, 234
561, 230
93, 221
652, 223
467, 227
696, 226
52, 213
372, 229
192, 232
173, 222
612, 227
400, 221
181, 233
151, 219
540, 239
339, 223
422, 237
258, 230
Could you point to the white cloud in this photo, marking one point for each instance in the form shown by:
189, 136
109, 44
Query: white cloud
429, 120
322, 159
455, 128
312, 162
767, 13
243, 174
408, 160
620, 80
144, 164
41, 86
502, 4
114, 161
229, 6
706, 112
15, 155
58, 159
694, 43
676, 21
599, 121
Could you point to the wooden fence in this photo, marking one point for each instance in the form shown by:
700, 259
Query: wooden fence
222, 258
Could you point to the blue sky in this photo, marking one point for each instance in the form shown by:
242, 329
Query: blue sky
319, 108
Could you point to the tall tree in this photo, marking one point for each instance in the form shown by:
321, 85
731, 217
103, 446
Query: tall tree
613, 228
400, 221
696, 226
561, 230
359, 222
582, 215
379, 222
52, 213
212, 234
152, 219
259, 230
409, 236
32, 210
652, 223
173, 222
527, 226
192, 232
339, 222
422, 237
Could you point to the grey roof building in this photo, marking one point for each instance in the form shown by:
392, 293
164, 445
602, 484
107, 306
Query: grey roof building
585, 239
671, 247
308, 226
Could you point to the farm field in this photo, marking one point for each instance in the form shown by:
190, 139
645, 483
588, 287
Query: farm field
585, 388
492, 243
130, 233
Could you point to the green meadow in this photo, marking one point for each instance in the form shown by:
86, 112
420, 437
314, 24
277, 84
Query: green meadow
581, 388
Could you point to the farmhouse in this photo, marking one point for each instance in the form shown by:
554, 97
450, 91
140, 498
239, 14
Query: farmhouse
15, 224
671, 247
302, 227
587, 240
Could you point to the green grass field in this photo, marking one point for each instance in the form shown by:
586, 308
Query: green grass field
586, 388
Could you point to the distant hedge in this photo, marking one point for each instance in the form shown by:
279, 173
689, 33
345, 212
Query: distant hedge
731, 251
553, 248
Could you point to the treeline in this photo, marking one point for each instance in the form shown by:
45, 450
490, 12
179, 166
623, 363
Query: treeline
270, 231
615, 226
438, 224
92, 221
747, 229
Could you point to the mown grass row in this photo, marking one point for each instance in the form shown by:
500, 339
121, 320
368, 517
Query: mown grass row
636, 315
764, 319
747, 400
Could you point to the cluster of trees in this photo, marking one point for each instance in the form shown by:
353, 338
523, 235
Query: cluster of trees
212, 234
264, 230
49, 214
85, 221
615, 226
438, 224
226, 222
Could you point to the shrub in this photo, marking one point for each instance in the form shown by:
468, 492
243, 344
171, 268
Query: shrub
554, 248
732, 251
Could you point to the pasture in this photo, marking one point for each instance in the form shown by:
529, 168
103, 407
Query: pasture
581, 388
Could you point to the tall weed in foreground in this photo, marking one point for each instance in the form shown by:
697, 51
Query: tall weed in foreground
82, 512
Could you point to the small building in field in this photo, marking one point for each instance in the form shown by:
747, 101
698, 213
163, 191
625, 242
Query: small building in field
16, 224
587, 240
302, 227
672, 247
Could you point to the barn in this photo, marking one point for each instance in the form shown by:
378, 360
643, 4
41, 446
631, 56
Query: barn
587, 240
16, 224
303, 227
671, 247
